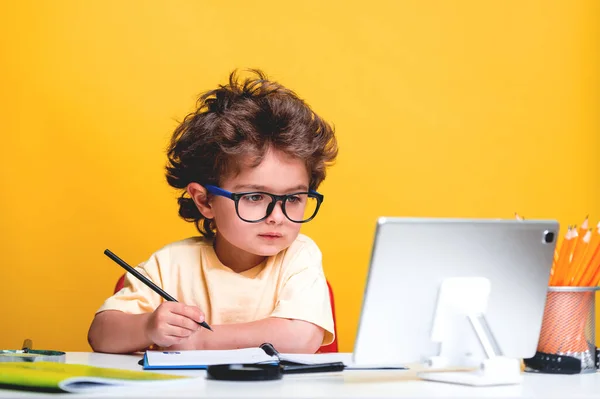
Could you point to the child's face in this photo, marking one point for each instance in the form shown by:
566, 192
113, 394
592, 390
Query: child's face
278, 173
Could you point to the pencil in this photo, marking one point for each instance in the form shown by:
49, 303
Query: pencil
579, 252
563, 255
519, 217
594, 265
579, 236
146, 281
587, 263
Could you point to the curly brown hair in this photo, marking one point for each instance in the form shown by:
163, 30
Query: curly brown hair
244, 119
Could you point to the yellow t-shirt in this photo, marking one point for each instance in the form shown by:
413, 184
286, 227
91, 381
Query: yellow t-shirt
289, 285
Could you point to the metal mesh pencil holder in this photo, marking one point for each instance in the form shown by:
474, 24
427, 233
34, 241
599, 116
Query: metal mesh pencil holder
567, 343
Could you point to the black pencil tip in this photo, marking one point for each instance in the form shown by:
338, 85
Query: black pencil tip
205, 325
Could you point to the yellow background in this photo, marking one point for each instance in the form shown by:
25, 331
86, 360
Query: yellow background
442, 108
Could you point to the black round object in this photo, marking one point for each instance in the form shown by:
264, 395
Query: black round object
548, 237
244, 372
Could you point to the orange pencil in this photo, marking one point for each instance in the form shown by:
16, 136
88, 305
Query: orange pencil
579, 252
594, 266
580, 233
586, 223
586, 271
518, 217
563, 258
567, 265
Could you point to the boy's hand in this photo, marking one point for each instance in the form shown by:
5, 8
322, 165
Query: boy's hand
190, 343
172, 322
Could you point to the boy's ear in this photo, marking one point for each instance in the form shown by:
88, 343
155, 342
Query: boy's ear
200, 197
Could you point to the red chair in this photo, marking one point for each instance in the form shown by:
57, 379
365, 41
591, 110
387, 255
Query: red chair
332, 347
120, 283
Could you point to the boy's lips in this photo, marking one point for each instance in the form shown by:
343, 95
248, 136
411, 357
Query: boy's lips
270, 235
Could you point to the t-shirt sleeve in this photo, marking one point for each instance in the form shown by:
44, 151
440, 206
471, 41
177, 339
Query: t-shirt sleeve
135, 297
304, 294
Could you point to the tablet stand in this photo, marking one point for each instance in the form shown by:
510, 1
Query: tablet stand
466, 341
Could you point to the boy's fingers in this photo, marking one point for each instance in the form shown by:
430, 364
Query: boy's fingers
178, 332
184, 322
198, 314
191, 312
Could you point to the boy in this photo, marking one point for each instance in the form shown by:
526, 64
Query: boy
247, 162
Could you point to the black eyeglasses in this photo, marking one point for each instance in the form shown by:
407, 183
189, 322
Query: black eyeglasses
256, 206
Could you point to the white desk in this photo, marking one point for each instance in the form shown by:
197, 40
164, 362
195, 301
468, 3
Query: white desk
346, 384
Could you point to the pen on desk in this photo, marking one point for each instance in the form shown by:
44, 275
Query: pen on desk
146, 281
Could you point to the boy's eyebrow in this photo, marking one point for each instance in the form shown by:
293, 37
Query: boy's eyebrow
258, 187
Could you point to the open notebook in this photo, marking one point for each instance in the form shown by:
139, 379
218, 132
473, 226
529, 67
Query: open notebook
200, 359
79, 378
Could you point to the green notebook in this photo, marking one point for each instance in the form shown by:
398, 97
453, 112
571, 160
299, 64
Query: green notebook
64, 377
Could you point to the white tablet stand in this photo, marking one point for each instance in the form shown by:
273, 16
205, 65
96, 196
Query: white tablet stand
465, 338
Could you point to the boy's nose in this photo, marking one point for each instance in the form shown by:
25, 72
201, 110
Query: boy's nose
276, 215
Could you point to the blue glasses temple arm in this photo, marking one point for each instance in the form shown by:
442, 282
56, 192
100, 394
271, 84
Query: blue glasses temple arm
218, 191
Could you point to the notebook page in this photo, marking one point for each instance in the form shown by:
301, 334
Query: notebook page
207, 357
